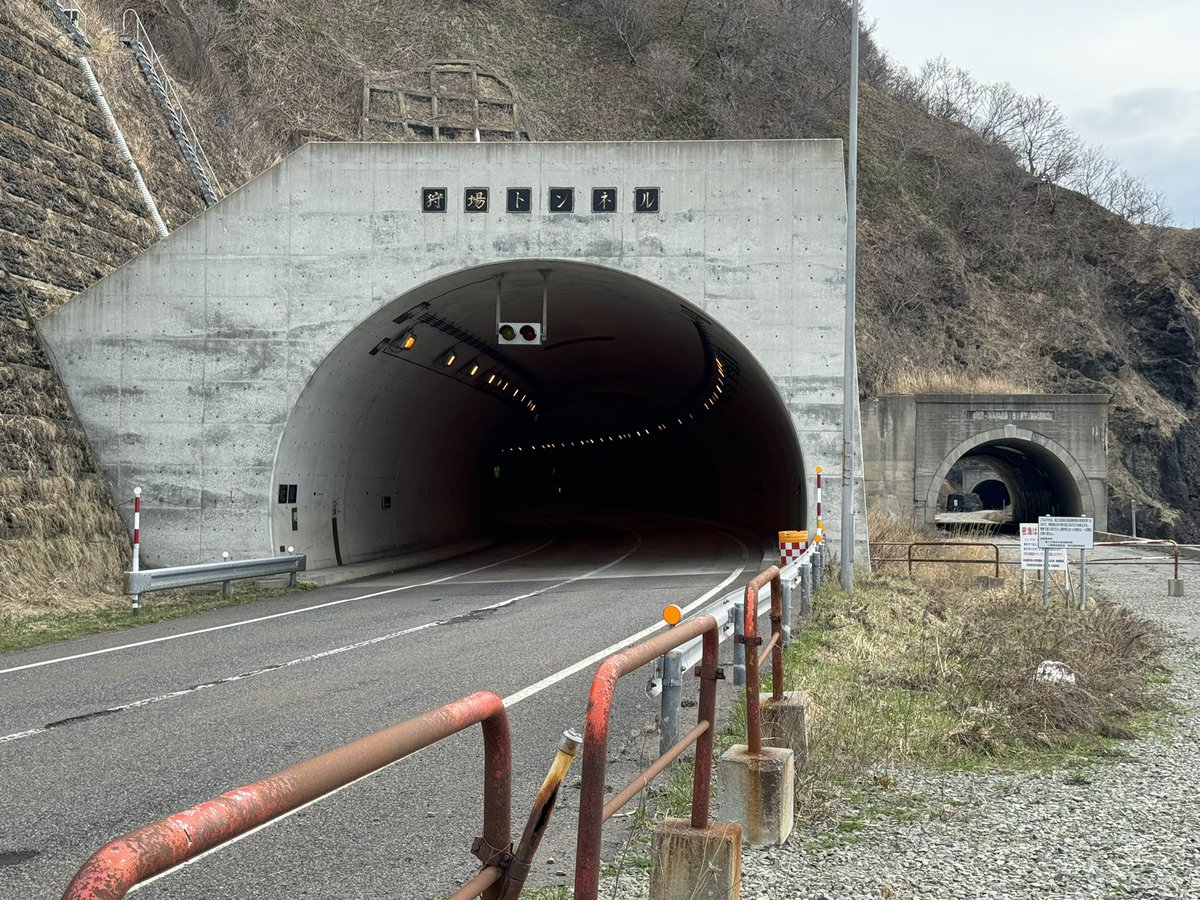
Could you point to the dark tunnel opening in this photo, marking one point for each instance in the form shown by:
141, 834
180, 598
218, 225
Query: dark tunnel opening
1014, 481
422, 428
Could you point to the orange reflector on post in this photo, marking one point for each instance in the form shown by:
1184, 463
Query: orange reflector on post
672, 614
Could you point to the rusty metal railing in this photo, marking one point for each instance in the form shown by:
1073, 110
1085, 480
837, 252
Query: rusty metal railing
593, 811
910, 559
1140, 542
118, 866
755, 657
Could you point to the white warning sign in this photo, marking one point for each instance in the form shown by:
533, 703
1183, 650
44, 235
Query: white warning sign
1031, 555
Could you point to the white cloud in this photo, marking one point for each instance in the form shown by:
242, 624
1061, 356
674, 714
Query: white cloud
1126, 75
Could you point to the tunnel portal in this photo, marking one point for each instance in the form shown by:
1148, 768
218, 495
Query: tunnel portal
315, 361
1019, 456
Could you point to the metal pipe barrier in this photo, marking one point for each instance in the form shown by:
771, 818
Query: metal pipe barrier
754, 658
910, 559
593, 811
729, 613
118, 866
1138, 543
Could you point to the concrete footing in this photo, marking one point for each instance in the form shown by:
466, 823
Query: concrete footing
757, 790
1174, 587
785, 724
700, 863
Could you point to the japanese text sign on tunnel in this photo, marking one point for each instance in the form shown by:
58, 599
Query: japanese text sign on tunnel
1066, 532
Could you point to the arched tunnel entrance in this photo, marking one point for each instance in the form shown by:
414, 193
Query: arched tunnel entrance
421, 429
1012, 479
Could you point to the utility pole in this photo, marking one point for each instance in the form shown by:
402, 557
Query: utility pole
850, 375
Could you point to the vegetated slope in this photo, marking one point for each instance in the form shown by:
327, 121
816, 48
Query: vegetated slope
70, 214
971, 272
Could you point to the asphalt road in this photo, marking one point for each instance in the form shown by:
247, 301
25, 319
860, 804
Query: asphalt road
102, 735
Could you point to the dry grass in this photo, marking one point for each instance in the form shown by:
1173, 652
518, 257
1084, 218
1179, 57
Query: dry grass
938, 673
890, 537
919, 380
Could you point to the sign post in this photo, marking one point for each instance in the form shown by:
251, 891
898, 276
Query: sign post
1068, 533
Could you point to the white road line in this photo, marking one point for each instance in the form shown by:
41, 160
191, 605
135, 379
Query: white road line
509, 702
292, 612
324, 654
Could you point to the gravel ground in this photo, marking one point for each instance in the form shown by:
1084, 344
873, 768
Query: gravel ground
1128, 828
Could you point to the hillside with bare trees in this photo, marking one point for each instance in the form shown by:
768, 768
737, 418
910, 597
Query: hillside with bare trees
996, 249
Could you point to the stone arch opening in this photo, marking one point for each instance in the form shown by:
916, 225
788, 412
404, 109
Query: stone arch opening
419, 429
1039, 474
993, 493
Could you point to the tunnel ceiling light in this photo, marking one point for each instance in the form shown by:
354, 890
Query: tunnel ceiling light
406, 341
472, 368
449, 357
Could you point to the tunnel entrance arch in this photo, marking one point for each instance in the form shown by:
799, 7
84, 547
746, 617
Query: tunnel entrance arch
1040, 475
1050, 451
192, 366
419, 429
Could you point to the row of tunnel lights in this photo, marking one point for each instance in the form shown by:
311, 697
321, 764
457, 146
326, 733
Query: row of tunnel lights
472, 369
716, 395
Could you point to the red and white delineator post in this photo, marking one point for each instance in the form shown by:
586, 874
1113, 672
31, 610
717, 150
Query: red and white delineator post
820, 522
137, 542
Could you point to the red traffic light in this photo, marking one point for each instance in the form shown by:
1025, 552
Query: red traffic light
519, 333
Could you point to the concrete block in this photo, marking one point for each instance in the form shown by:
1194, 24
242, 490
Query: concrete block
758, 792
1174, 587
784, 724
696, 863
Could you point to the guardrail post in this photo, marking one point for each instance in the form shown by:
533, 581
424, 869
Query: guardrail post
739, 649
672, 697
806, 587
756, 783
818, 568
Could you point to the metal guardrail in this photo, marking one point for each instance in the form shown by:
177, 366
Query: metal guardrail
910, 559
729, 611
115, 868
147, 580
593, 810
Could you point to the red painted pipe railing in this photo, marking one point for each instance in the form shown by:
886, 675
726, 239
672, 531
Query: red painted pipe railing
755, 657
592, 810
1139, 542
115, 868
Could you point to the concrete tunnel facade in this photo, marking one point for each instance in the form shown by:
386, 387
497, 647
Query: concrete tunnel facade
314, 362
1049, 452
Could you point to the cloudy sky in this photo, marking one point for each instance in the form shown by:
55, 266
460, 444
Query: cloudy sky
1126, 74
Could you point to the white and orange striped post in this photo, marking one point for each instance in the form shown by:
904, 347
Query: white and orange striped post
137, 542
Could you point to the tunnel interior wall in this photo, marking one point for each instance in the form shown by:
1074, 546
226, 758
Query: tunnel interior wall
187, 364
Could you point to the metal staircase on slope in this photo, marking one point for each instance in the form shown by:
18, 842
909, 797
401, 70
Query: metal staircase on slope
168, 99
